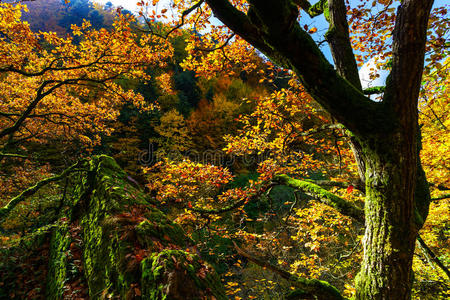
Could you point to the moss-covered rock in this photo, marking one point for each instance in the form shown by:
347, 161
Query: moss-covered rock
58, 262
177, 274
129, 249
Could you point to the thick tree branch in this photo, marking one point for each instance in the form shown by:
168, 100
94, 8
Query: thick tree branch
272, 27
330, 183
343, 185
322, 195
321, 7
40, 94
408, 52
338, 39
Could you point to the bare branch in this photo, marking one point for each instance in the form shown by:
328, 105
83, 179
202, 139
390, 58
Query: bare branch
235, 205
320, 289
433, 256
218, 47
184, 14
4, 211
13, 155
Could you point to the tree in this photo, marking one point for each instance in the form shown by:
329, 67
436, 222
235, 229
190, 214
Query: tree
385, 133
174, 135
78, 11
51, 83
52, 87
55, 92
385, 136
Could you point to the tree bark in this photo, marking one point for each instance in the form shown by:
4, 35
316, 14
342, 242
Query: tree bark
385, 133
391, 231
392, 166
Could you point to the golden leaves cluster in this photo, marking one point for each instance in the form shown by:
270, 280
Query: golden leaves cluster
78, 75
186, 181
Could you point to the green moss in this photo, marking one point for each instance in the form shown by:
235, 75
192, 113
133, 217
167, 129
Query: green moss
323, 196
177, 274
319, 8
57, 274
298, 294
320, 289
113, 233
166, 232
374, 90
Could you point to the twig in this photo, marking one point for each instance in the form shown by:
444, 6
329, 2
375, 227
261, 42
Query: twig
433, 256
315, 287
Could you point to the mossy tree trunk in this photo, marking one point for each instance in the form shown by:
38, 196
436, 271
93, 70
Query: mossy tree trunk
384, 134
388, 163
391, 230
111, 242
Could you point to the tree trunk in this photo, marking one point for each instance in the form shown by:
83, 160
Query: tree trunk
391, 230
386, 131
391, 160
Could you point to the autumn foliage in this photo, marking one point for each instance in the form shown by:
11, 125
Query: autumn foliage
205, 125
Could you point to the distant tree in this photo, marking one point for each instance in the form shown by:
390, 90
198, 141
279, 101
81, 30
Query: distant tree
174, 138
77, 10
108, 5
186, 85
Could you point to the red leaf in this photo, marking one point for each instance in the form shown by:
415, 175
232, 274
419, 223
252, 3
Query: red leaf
350, 189
139, 257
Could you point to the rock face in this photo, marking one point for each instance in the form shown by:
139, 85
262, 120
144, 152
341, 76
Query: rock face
113, 244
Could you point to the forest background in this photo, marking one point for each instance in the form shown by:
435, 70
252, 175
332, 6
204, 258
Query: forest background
203, 131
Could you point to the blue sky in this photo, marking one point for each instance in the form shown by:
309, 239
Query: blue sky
318, 22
